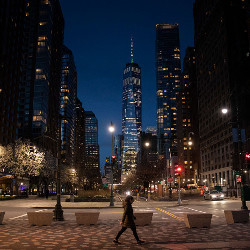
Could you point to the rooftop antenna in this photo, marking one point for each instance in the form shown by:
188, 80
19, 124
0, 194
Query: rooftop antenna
132, 47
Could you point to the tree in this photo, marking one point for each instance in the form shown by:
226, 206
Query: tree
70, 179
21, 159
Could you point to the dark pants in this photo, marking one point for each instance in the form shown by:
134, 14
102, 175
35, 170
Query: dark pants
133, 228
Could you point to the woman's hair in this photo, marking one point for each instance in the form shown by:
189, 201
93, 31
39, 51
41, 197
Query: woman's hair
129, 198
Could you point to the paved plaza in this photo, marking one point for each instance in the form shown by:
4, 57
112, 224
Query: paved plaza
165, 232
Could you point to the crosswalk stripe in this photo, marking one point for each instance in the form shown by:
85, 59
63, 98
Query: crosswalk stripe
170, 214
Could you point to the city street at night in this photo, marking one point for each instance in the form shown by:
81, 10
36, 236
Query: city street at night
167, 230
124, 125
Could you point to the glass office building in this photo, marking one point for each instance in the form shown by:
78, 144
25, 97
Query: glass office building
131, 112
39, 88
68, 105
168, 72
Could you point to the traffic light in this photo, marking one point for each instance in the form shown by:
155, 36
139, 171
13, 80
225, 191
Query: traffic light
178, 170
113, 159
247, 160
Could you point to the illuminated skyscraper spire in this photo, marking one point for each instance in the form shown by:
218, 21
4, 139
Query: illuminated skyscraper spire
132, 51
131, 115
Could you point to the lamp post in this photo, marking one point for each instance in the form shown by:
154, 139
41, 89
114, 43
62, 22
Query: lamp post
179, 170
236, 132
111, 130
147, 145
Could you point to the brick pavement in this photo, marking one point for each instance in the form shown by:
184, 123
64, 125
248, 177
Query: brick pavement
170, 234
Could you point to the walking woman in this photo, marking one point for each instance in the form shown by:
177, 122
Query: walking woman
128, 220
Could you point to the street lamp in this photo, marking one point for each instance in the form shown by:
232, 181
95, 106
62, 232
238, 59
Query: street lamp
111, 130
224, 110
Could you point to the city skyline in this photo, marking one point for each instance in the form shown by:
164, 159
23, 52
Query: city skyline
103, 46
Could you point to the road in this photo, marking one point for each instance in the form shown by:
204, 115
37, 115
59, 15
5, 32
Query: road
167, 230
18, 209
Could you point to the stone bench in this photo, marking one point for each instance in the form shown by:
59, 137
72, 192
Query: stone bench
1, 217
40, 218
236, 216
87, 218
143, 218
197, 220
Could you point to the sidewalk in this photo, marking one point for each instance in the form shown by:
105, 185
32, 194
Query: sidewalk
159, 235
164, 233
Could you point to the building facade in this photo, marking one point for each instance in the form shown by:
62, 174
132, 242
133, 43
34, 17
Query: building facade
79, 154
131, 114
12, 23
168, 73
222, 32
68, 106
187, 122
39, 89
92, 154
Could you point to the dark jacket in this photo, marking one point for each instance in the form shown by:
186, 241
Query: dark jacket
128, 216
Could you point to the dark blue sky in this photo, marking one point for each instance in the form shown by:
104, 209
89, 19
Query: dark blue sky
98, 32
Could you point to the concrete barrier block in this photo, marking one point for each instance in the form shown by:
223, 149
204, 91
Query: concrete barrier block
236, 216
40, 218
197, 220
143, 218
1, 217
87, 218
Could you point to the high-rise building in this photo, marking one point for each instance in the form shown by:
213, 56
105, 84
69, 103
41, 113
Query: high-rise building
79, 155
12, 20
92, 154
222, 43
151, 130
68, 106
168, 72
131, 113
148, 155
187, 122
118, 139
39, 88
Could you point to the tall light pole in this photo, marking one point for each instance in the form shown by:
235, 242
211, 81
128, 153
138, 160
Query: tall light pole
111, 130
239, 151
147, 145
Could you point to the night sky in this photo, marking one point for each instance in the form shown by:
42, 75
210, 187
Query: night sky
98, 32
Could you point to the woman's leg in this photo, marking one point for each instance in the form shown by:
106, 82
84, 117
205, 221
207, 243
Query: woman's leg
133, 228
120, 233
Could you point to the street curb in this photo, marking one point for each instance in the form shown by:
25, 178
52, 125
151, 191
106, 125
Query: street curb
75, 207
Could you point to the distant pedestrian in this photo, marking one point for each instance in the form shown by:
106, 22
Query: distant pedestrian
128, 220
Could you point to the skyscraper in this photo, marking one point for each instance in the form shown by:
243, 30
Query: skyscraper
131, 113
39, 88
92, 163
187, 122
68, 106
79, 154
168, 71
222, 42
12, 19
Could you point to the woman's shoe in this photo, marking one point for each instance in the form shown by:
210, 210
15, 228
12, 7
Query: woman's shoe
116, 241
140, 242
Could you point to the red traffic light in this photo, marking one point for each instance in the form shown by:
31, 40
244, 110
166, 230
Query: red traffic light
113, 156
247, 156
178, 169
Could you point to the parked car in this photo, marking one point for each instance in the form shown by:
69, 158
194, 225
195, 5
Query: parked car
213, 195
